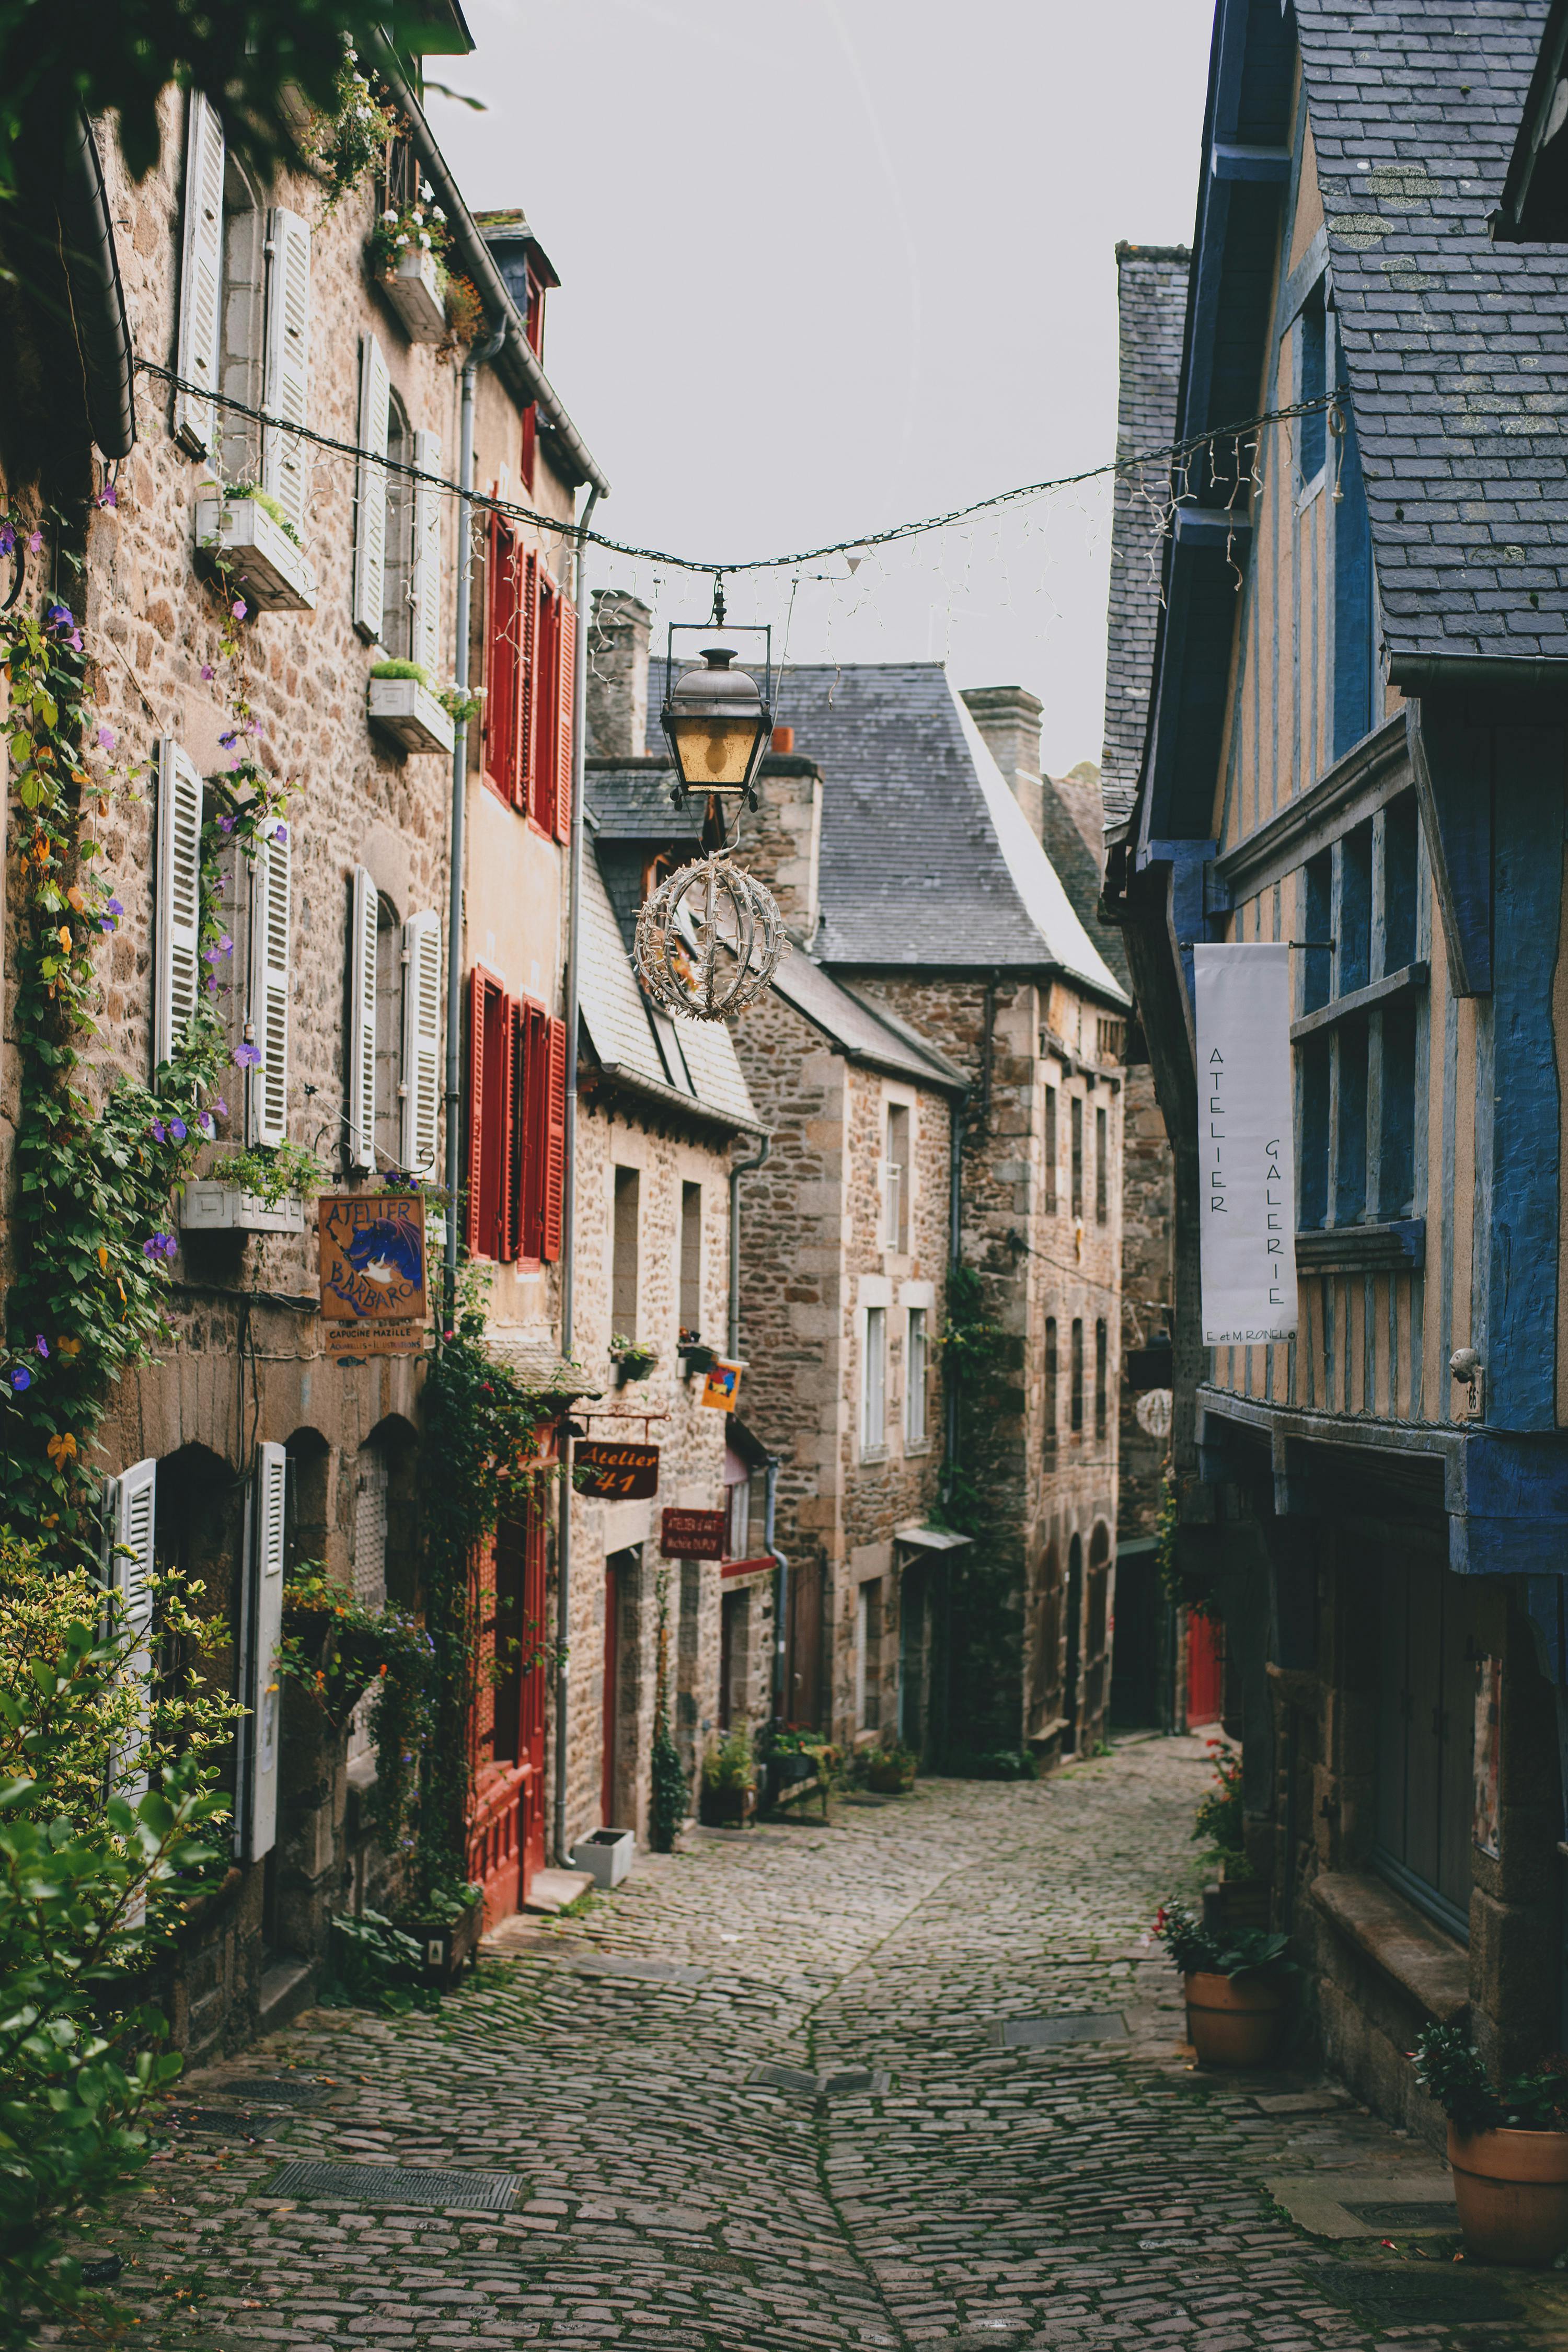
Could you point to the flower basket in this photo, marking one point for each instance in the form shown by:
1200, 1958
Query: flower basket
208, 1206
696, 1356
259, 553
407, 711
447, 1946
1512, 2189
416, 291
1234, 2021
725, 1808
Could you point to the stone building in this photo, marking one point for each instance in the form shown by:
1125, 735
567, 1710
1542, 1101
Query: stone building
1357, 755
259, 1444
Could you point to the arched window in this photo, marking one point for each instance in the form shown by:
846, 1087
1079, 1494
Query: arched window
242, 363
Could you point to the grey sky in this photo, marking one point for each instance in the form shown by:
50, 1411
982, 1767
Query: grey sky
827, 264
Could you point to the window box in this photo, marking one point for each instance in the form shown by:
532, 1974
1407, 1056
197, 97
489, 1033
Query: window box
606, 1855
272, 570
210, 1206
410, 714
415, 291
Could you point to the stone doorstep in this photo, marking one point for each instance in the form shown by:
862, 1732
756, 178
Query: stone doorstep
1423, 1962
286, 1987
551, 1891
1322, 2202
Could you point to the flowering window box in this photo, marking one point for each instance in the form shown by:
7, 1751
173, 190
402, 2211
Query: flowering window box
259, 552
410, 714
415, 291
210, 1206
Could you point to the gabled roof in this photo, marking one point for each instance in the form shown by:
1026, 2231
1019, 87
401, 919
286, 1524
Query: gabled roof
1455, 343
926, 859
863, 1033
690, 1066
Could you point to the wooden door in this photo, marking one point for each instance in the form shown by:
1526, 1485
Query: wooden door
803, 1664
1205, 1670
612, 1705
506, 1832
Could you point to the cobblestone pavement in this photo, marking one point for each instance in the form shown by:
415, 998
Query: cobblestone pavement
765, 2097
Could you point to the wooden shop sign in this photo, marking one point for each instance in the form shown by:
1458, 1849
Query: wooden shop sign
374, 1296
691, 1535
614, 1472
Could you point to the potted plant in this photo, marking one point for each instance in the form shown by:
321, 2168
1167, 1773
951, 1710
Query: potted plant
446, 1922
891, 1770
1236, 1984
251, 530
1508, 2148
402, 703
1242, 1895
729, 1780
632, 1359
259, 1190
408, 247
335, 1648
695, 1354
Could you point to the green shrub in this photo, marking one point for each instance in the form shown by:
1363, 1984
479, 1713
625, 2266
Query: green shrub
1238, 1952
730, 1764
1449, 2069
993, 1764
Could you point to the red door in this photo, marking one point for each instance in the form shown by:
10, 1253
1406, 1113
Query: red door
1205, 1670
612, 1690
506, 1832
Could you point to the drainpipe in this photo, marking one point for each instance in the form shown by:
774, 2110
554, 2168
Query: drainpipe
740, 1167
780, 1590
569, 1176
477, 358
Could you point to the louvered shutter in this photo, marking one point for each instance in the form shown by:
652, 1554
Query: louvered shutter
370, 491
287, 381
269, 988
132, 1516
501, 668
427, 558
477, 985
555, 1142
198, 351
263, 1691
177, 921
533, 1076
509, 1206
535, 680
565, 709
421, 1041
362, 914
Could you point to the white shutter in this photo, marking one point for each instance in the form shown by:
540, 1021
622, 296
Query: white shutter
421, 1087
135, 1501
269, 989
177, 923
427, 558
362, 1021
198, 351
369, 495
287, 384
263, 1692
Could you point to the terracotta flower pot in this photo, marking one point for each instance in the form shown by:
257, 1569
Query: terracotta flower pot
1512, 2189
1233, 2021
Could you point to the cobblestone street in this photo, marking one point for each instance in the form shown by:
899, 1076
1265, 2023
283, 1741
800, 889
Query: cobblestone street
768, 2096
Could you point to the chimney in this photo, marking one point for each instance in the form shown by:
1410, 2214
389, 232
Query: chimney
1009, 716
781, 842
617, 677
1079, 793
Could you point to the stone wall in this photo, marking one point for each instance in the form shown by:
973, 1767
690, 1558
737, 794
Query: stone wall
1148, 1287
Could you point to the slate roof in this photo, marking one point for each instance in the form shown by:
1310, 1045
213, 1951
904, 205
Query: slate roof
1152, 303
926, 859
1457, 346
691, 1063
866, 1033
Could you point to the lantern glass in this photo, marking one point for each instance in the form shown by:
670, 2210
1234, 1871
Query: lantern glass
713, 755
716, 725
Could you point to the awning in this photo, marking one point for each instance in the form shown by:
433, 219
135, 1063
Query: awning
931, 1538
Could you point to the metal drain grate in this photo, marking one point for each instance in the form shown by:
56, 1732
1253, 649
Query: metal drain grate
836, 2083
1431, 2213
209, 2120
278, 2089
1415, 2297
394, 2184
1053, 2033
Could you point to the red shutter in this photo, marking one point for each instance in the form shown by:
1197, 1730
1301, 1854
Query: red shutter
501, 744
534, 1089
475, 1108
506, 1189
555, 1140
530, 442
528, 719
566, 698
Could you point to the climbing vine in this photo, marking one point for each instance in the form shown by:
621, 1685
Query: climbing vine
93, 1233
982, 1363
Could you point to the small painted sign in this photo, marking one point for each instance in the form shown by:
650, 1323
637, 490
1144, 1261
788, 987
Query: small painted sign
691, 1535
722, 1385
373, 1272
615, 1473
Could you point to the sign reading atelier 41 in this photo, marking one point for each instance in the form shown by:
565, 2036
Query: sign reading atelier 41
373, 1272
1246, 1143
614, 1473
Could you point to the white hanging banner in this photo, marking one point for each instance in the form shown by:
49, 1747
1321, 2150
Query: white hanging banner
1245, 1154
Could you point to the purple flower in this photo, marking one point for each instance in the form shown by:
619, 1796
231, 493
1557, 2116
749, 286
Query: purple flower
7, 539
220, 1106
246, 1056
207, 1122
159, 1136
178, 1130
106, 738
34, 542
225, 945
21, 1377
226, 824
110, 915
62, 622
280, 833
159, 1246
226, 738
211, 984
238, 608
109, 496
207, 670
41, 1344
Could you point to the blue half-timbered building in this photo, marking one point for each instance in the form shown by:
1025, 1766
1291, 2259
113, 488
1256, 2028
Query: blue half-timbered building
1358, 744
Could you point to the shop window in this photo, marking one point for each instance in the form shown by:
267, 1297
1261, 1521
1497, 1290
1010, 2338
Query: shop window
868, 1656
1426, 1738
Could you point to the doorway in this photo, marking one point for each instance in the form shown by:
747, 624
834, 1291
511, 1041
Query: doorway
1075, 1646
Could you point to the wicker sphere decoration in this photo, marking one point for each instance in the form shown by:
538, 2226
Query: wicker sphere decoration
708, 940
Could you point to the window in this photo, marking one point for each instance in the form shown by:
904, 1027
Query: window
1357, 1061
177, 919
516, 1117
895, 1179
1077, 1401
1102, 1367
868, 1655
1051, 1408
734, 1656
548, 711
874, 1382
1052, 1150
691, 1259
1101, 1166
391, 1097
915, 1378
1078, 1155
1425, 1735
512, 575
623, 1253
1110, 1039
270, 983
1311, 383
737, 1507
